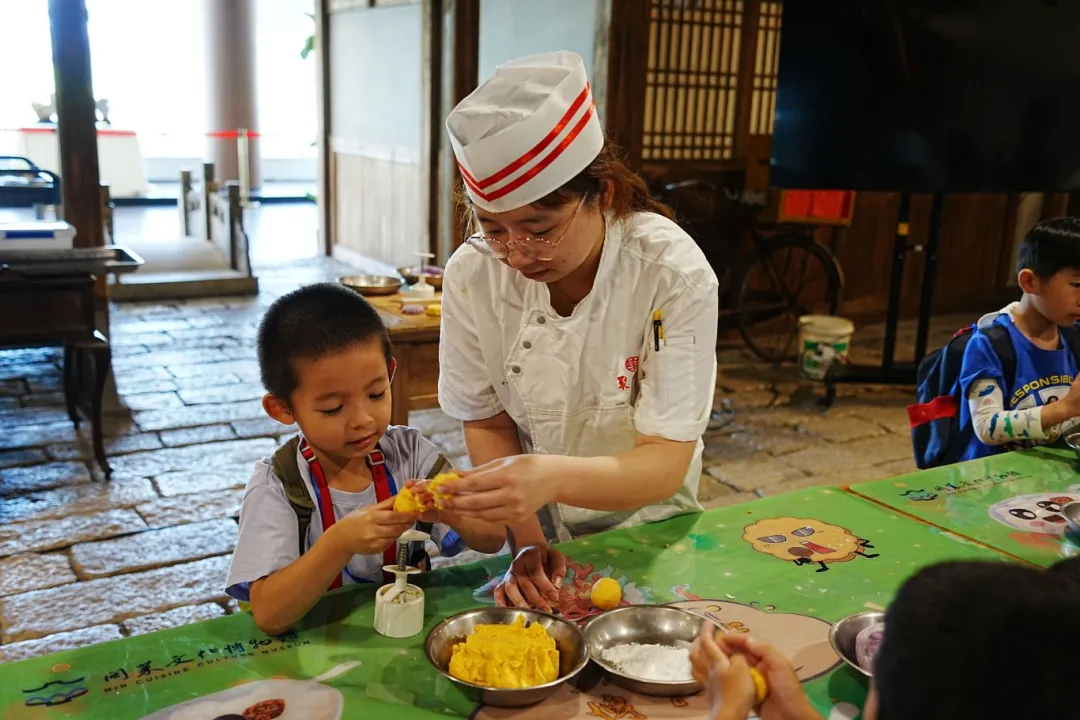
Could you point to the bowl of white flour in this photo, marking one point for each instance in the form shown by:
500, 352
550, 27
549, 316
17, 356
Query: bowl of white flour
646, 648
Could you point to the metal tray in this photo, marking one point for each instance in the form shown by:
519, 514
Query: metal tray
108, 260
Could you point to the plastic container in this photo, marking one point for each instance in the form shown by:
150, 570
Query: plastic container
823, 340
36, 235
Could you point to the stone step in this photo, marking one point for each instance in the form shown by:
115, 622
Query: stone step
194, 284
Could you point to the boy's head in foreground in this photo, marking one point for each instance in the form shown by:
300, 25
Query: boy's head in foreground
1048, 267
326, 364
980, 640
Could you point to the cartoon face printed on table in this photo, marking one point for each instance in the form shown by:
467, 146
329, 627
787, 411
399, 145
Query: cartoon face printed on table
804, 640
1037, 513
805, 541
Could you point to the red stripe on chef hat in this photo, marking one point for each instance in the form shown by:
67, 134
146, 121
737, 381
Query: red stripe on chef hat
526, 131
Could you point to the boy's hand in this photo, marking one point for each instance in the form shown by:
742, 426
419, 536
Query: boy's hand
431, 516
786, 699
1072, 400
370, 530
726, 679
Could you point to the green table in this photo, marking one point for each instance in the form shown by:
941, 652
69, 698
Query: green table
784, 568
1010, 502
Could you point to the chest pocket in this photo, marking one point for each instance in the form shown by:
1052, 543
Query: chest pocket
569, 391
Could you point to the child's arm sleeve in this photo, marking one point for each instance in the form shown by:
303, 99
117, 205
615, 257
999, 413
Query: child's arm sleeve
993, 424
269, 534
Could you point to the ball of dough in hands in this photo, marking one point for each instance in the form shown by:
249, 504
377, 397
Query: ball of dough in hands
423, 496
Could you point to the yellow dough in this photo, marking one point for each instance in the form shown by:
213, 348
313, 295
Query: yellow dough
423, 496
761, 687
606, 594
434, 310
506, 656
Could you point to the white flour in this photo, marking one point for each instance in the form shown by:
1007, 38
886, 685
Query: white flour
661, 663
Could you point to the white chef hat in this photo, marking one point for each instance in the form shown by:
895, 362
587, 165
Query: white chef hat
526, 131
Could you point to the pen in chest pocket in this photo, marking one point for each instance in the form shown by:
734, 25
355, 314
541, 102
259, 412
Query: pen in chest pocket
657, 329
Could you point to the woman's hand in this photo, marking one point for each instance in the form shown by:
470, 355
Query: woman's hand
533, 579
509, 490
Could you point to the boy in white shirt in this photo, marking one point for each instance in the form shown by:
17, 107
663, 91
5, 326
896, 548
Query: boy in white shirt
319, 514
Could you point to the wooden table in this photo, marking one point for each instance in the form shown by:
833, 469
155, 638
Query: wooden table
416, 348
48, 299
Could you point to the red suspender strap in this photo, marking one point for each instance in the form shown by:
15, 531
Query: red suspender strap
383, 491
322, 495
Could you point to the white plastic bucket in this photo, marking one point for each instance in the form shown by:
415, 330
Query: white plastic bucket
823, 340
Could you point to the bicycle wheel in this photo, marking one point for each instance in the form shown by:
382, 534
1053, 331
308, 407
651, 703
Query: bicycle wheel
783, 278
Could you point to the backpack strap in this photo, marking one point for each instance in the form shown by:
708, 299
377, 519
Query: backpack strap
1002, 343
287, 471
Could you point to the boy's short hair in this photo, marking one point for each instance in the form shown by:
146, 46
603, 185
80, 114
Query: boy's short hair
1050, 247
980, 640
311, 322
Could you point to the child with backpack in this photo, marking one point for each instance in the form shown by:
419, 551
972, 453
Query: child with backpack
319, 513
1008, 382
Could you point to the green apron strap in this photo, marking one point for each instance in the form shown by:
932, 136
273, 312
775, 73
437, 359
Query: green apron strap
288, 472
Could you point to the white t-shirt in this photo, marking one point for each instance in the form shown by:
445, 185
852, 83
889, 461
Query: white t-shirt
584, 385
268, 538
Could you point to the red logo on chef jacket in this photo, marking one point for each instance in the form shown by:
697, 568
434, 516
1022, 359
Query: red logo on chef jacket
632, 364
624, 382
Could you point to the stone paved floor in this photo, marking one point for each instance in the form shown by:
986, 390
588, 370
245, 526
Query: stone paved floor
84, 561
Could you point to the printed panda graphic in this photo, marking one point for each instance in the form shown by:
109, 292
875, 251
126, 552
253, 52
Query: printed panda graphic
1035, 513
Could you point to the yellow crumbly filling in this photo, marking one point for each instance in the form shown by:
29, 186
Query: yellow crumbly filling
506, 656
423, 496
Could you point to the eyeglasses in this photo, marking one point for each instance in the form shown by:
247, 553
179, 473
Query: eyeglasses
537, 248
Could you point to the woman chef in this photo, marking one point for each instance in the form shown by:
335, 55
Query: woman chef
578, 327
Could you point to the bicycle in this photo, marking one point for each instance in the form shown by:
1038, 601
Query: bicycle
769, 288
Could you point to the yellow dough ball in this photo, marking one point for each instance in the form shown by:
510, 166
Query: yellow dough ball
434, 310
761, 687
606, 594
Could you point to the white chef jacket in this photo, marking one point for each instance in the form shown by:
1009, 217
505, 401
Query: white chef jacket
584, 384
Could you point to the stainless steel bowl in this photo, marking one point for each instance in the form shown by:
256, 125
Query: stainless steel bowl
843, 633
1071, 512
371, 284
646, 625
1073, 441
570, 641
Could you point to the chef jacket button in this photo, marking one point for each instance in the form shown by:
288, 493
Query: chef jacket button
515, 369
541, 320
526, 344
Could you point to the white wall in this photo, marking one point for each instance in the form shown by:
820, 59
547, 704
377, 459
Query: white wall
375, 78
513, 28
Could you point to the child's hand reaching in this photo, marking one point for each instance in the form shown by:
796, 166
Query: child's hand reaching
722, 662
725, 678
371, 529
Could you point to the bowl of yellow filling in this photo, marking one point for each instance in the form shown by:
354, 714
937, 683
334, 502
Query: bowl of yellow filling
506, 657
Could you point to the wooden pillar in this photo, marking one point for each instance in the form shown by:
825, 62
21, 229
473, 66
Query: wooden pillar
325, 187
466, 66
232, 100
627, 64
751, 21
460, 75
432, 137
76, 129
